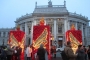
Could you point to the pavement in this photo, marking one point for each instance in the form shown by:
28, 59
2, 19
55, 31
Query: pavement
58, 56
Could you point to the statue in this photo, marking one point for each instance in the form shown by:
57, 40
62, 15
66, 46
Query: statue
72, 27
18, 27
42, 21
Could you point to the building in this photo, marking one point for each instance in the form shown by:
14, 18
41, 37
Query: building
4, 35
58, 18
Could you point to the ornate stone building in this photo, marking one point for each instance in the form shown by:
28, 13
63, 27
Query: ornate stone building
4, 35
58, 18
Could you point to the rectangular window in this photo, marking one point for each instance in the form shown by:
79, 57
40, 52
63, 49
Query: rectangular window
60, 41
29, 30
23, 29
50, 27
59, 28
4, 34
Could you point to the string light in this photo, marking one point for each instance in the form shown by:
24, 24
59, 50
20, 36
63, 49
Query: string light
41, 39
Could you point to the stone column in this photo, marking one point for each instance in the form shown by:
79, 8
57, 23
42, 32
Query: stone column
86, 35
6, 34
34, 22
32, 31
26, 28
65, 29
82, 34
68, 24
55, 29
26, 33
76, 25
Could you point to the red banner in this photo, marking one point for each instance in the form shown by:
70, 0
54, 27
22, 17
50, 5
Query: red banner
75, 36
17, 38
41, 36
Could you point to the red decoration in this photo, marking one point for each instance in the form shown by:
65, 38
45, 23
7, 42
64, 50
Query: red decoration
18, 35
17, 38
75, 37
42, 21
40, 32
76, 33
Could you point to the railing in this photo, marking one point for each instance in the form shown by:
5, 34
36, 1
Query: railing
58, 6
77, 15
46, 6
24, 17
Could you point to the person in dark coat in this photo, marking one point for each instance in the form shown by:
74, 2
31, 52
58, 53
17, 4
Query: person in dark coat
9, 52
52, 51
3, 53
15, 53
41, 53
88, 52
85, 52
19, 50
80, 53
69, 52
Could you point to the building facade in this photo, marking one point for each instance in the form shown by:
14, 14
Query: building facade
4, 35
59, 19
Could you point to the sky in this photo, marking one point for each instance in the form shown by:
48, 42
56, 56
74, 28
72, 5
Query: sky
12, 9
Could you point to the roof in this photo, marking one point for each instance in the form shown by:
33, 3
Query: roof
54, 9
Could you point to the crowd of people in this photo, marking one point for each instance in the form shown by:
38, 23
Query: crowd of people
82, 53
10, 53
14, 53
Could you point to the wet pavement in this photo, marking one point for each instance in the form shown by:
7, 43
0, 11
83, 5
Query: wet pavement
57, 58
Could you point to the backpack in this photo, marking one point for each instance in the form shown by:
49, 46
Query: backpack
64, 56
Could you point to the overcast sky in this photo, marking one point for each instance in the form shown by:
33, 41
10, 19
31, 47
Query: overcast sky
12, 9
